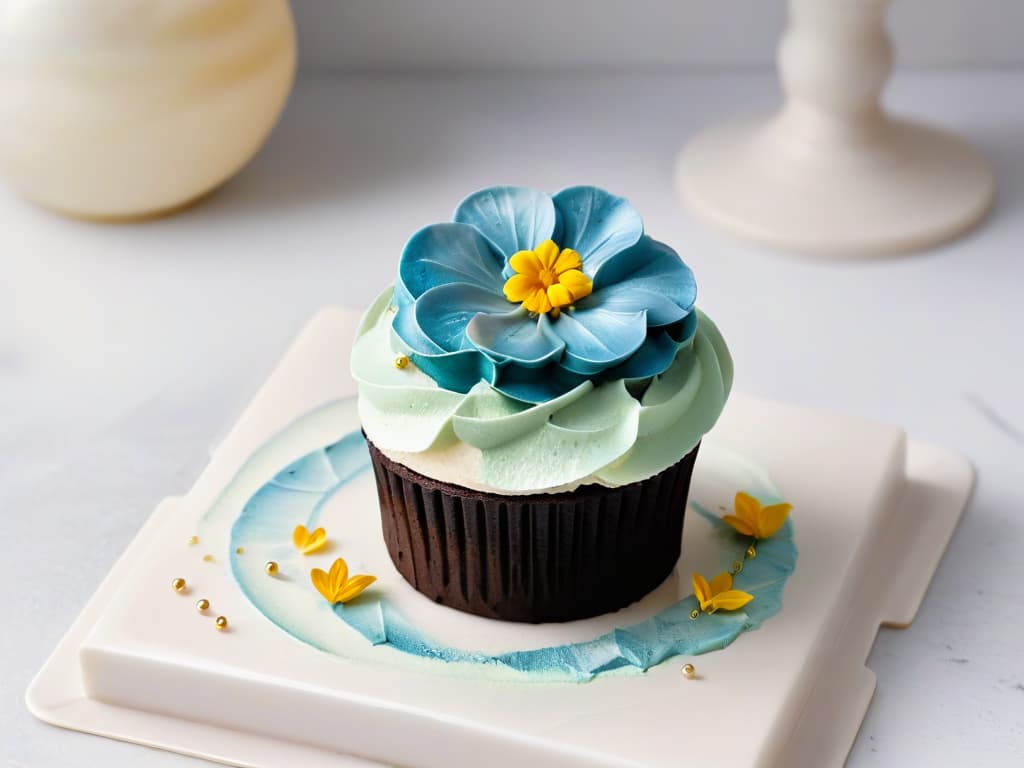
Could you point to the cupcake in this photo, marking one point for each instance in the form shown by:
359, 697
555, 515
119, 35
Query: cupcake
534, 388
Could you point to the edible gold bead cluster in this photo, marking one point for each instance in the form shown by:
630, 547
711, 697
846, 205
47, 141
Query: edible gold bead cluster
180, 586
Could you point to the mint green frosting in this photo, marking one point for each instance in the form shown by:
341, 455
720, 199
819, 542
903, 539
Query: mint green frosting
486, 440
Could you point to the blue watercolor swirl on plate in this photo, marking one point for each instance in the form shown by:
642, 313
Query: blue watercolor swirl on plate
297, 494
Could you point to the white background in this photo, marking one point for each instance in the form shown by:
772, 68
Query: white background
125, 351
602, 35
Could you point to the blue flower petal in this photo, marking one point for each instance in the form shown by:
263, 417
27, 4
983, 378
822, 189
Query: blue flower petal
511, 218
401, 296
649, 276
596, 339
658, 352
442, 313
655, 356
456, 371
455, 323
409, 333
683, 333
449, 253
526, 385
596, 224
515, 336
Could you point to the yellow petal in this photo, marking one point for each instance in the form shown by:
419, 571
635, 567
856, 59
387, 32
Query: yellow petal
721, 583
306, 542
547, 253
747, 508
567, 259
538, 301
526, 263
731, 600
559, 295
339, 574
740, 525
317, 540
576, 282
772, 519
701, 589
322, 581
518, 287
354, 586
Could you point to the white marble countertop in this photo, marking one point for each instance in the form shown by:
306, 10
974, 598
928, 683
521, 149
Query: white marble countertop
126, 350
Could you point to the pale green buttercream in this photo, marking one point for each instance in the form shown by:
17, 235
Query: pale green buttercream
591, 434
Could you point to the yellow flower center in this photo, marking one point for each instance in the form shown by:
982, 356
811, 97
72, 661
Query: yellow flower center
547, 279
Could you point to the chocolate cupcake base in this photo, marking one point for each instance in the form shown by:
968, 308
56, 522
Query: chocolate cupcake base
533, 558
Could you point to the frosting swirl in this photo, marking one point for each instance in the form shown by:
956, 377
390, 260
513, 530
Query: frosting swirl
593, 433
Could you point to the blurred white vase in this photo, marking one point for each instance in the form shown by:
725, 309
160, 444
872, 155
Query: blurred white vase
831, 173
117, 109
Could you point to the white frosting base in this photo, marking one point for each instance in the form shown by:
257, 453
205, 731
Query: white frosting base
460, 463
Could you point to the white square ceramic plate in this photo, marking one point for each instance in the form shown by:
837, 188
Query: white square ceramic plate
873, 514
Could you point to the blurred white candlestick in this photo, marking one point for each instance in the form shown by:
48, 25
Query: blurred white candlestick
831, 174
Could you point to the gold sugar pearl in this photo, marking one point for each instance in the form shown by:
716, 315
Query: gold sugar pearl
240, 551
207, 558
202, 605
221, 623
751, 552
689, 671
193, 540
179, 585
401, 362
271, 568
694, 614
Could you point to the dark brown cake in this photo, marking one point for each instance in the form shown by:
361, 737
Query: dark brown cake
533, 558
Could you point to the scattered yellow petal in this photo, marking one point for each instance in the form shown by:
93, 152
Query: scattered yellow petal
752, 519
701, 589
732, 600
307, 543
721, 583
339, 571
322, 582
336, 586
739, 524
719, 594
747, 507
354, 586
773, 518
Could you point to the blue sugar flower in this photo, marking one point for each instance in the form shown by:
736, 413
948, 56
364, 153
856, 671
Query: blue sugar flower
535, 294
